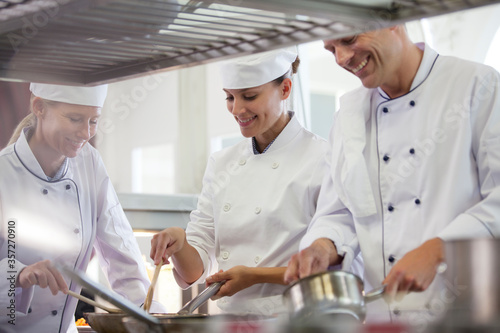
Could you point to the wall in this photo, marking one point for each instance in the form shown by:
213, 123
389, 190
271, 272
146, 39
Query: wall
144, 112
138, 113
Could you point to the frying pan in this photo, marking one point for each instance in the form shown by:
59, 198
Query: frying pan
327, 293
250, 323
122, 303
115, 322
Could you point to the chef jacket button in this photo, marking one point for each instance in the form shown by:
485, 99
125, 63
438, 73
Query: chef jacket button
242, 162
29, 310
396, 312
417, 201
385, 110
428, 306
257, 259
257, 210
412, 103
45, 191
68, 187
412, 151
275, 165
225, 255
386, 158
227, 207
54, 312
76, 231
391, 259
390, 208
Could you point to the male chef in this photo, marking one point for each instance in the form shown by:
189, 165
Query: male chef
414, 162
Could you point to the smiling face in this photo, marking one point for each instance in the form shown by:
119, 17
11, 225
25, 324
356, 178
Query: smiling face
258, 110
63, 129
374, 57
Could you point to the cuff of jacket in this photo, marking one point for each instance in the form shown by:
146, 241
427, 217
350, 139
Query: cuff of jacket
463, 227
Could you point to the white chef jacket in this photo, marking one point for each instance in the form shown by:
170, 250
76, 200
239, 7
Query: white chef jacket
254, 209
63, 221
405, 170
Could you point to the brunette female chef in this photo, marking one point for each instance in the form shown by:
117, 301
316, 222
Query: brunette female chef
258, 196
58, 206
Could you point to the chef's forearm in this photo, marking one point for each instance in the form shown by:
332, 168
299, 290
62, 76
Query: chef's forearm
268, 275
188, 263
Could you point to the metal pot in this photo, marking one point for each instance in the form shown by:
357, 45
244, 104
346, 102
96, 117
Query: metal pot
471, 279
328, 293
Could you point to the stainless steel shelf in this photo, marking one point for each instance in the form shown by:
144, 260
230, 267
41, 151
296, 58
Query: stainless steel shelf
88, 42
156, 212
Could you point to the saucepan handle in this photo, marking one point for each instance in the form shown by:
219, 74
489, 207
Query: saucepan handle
375, 294
201, 298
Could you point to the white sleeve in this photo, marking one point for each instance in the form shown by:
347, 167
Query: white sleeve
482, 219
200, 231
10, 268
20, 296
332, 219
116, 247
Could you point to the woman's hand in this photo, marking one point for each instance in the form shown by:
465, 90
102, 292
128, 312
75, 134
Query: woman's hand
43, 274
166, 243
237, 278
415, 271
242, 277
172, 242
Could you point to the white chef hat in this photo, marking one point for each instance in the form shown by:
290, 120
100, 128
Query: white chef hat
256, 69
90, 96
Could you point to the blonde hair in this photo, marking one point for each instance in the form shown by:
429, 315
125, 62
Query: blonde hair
29, 121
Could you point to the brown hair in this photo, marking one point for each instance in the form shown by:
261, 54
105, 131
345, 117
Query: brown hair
293, 70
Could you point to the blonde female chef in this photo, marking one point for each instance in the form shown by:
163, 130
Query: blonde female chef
58, 206
258, 196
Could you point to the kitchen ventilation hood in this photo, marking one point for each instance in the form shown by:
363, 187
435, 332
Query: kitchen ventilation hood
88, 42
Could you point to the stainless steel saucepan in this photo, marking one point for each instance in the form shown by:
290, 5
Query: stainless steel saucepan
471, 279
327, 293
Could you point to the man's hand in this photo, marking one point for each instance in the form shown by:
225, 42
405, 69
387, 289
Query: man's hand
43, 274
415, 271
314, 259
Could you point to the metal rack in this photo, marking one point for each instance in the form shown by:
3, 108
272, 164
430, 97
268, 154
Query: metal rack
87, 42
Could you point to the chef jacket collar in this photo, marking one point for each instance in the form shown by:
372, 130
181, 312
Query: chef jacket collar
25, 155
60, 173
287, 134
424, 69
254, 145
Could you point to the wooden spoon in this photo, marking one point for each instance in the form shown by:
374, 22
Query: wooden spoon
93, 303
151, 290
